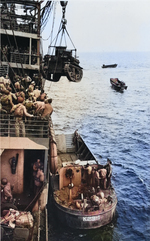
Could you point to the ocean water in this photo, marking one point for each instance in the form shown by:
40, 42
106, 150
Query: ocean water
114, 125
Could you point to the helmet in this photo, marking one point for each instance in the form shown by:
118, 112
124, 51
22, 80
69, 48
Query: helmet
4, 181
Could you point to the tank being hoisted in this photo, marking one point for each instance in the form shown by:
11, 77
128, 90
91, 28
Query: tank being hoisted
62, 64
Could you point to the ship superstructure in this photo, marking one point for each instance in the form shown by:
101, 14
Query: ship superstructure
24, 136
20, 38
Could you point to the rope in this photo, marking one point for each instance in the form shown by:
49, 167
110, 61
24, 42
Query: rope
51, 34
44, 184
46, 13
14, 37
10, 47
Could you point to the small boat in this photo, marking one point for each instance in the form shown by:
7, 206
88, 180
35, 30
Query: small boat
109, 66
82, 196
117, 84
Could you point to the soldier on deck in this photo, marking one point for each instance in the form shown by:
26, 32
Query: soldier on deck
16, 78
20, 112
6, 191
48, 109
36, 93
6, 100
29, 91
27, 80
38, 176
19, 93
36, 79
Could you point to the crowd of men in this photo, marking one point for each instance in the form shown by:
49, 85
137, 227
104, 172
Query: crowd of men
26, 99
20, 54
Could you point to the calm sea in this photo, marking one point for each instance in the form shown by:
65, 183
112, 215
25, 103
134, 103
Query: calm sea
114, 125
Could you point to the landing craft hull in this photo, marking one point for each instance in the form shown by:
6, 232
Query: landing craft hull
81, 220
109, 66
117, 84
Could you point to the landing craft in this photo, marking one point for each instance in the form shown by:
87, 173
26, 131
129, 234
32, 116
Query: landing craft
83, 195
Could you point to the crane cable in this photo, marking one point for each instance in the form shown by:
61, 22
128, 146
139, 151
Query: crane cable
62, 28
53, 22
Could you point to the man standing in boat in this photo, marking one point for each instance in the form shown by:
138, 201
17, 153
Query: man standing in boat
109, 172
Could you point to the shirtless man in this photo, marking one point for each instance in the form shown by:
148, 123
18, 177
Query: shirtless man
20, 111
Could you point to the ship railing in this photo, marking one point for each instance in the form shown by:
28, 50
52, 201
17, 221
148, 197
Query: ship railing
19, 26
35, 127
23, 58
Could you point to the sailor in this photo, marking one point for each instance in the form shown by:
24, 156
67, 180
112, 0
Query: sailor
6, 190
20, 112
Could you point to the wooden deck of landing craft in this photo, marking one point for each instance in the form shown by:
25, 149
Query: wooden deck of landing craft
66, 157
62, 197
